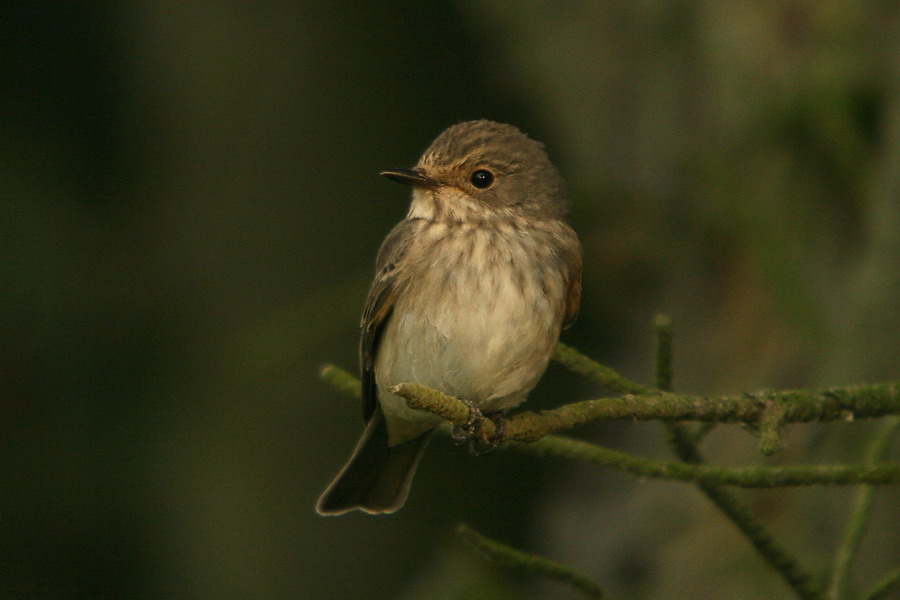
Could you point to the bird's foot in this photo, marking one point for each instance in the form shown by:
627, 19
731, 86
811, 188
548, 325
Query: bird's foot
500, 424
480, 446
465, 433
469, 432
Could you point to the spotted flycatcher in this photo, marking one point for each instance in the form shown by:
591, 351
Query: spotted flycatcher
471, 292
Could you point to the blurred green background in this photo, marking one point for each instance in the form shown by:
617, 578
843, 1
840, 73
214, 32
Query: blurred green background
190, 215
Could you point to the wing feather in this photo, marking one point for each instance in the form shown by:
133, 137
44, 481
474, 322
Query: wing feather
573, 297
379, 307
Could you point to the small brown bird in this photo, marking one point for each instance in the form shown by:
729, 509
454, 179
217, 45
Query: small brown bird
471, 292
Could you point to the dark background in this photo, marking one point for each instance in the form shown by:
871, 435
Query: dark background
190, 213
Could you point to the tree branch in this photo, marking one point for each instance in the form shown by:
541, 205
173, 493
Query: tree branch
759, 477
798, 406
684, 444
341, 379
884, 586
862, 512
579, 363
530, 427
532, 563
766, 411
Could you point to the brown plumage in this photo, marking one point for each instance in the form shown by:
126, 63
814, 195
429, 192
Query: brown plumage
471, 292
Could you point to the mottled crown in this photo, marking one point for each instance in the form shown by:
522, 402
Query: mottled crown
525, 175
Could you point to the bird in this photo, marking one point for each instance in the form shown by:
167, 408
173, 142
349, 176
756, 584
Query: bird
471, 291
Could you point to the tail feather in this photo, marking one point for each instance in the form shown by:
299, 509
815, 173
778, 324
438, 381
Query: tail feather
377, 477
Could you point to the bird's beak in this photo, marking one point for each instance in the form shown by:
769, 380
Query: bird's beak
413, 177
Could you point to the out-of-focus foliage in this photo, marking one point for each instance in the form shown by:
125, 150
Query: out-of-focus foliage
190, 213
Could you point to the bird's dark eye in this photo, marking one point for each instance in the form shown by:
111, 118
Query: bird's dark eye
482, 179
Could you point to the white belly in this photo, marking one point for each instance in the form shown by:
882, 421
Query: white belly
471, 333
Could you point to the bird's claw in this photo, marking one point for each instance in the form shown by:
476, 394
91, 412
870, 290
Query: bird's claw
468, 432
500, 424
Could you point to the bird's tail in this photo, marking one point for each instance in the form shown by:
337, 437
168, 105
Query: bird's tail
377, 477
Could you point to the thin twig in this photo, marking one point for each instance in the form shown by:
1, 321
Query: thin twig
703, 429
800, 406
884, 586
523, 426
662, 366
767, 411
684, 444
758, 477
341, 379
862, 512
579, 363
512, 557
800, 581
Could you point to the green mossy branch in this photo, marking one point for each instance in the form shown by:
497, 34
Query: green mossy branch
884, 586
797, 406
531, 563
862, 512
342, 380
763, 410
748, 477
531, 427
792, 406
766, 412
578, 363
662, 366
684, 444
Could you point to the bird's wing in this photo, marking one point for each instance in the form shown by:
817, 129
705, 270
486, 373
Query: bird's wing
573, 297
379, 306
